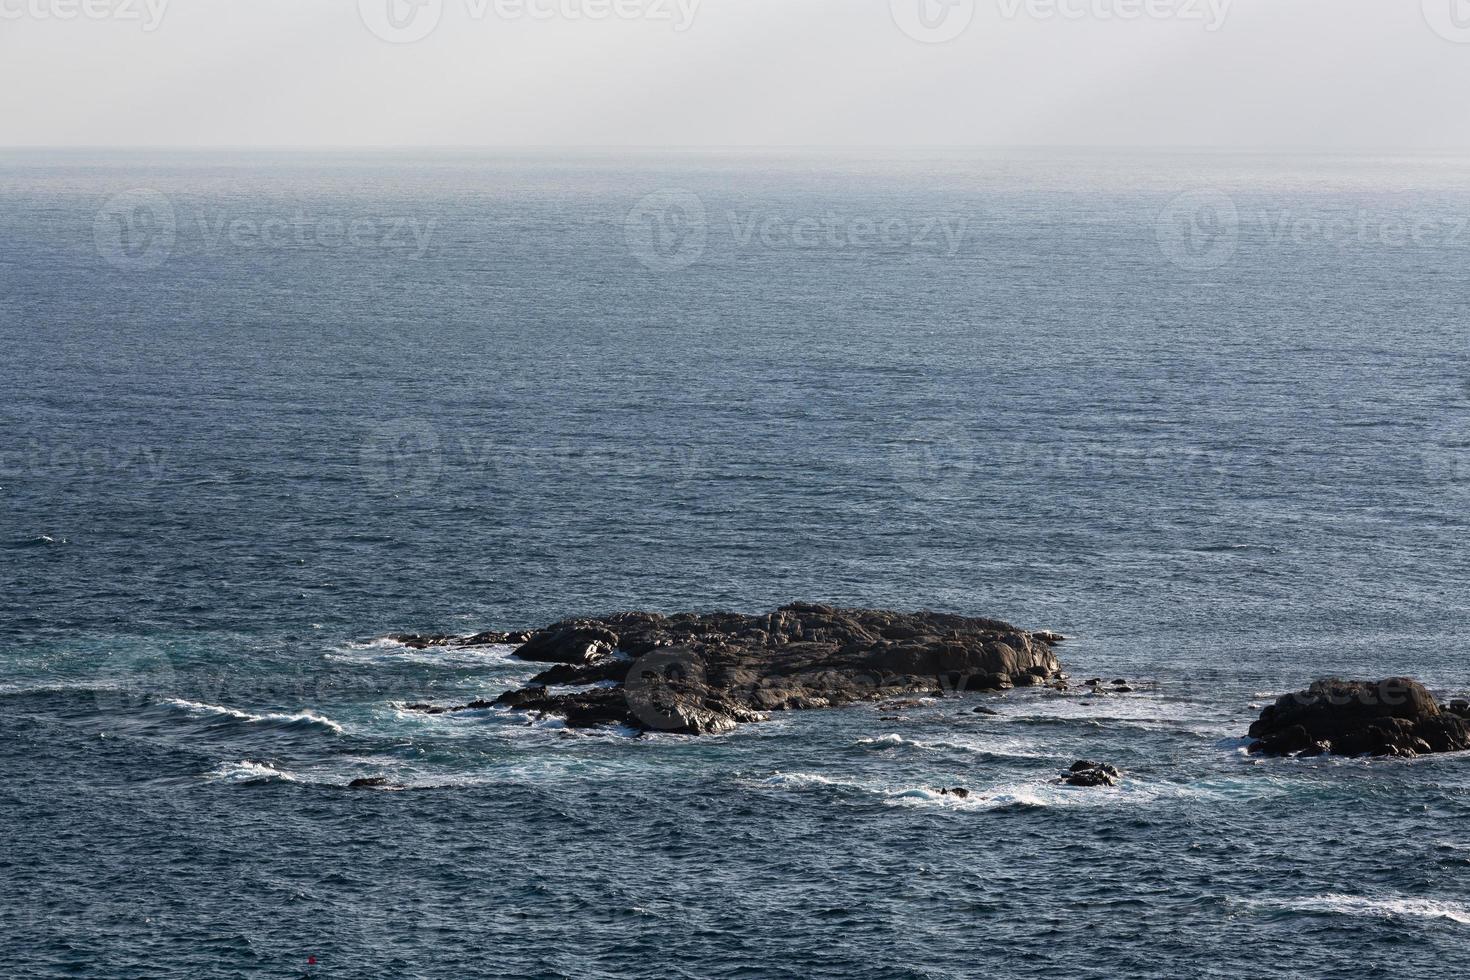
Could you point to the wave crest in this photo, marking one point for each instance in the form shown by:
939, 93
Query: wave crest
299, 719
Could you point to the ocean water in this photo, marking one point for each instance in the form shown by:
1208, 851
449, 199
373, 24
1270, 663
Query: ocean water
1207, 415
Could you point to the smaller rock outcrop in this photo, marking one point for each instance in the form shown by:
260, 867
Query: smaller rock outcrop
1119, 686
1392, 717
1089, 774
373, 782
416, 641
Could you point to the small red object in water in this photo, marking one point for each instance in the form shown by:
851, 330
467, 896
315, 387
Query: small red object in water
311, 961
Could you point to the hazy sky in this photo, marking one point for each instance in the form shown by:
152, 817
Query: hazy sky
1379, 73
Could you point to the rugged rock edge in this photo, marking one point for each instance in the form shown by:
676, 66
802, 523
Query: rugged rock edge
1392, 717
706, 674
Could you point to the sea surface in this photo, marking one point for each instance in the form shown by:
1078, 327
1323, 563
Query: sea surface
1207, 415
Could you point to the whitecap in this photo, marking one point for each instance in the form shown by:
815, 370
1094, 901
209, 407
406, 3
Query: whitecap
378, 643
246, 772
801, 780
1018, 798
910, 796
389, 651
199, 709
885, 741
985, 745
1383, 908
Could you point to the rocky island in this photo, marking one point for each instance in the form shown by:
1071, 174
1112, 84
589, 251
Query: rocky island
702, 674
1393, 717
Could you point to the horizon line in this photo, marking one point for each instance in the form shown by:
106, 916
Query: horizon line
723, 147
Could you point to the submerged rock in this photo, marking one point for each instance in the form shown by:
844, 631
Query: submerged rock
1392, 717
706, 674
959, 792
373, 782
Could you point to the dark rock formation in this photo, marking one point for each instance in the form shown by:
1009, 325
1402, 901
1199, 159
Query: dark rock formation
1090, 774
705, 674
372, 782
1393, 717
416, 641
959, 792
1120, 686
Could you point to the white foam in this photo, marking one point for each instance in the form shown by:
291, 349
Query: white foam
924, 796
1384, 908
385, 651
582, 688
246, 771
1045, 792
201, 710
59, 687
381, 643
982, 745
801, 780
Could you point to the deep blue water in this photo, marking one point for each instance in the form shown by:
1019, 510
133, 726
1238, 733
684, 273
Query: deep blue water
1221, 441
